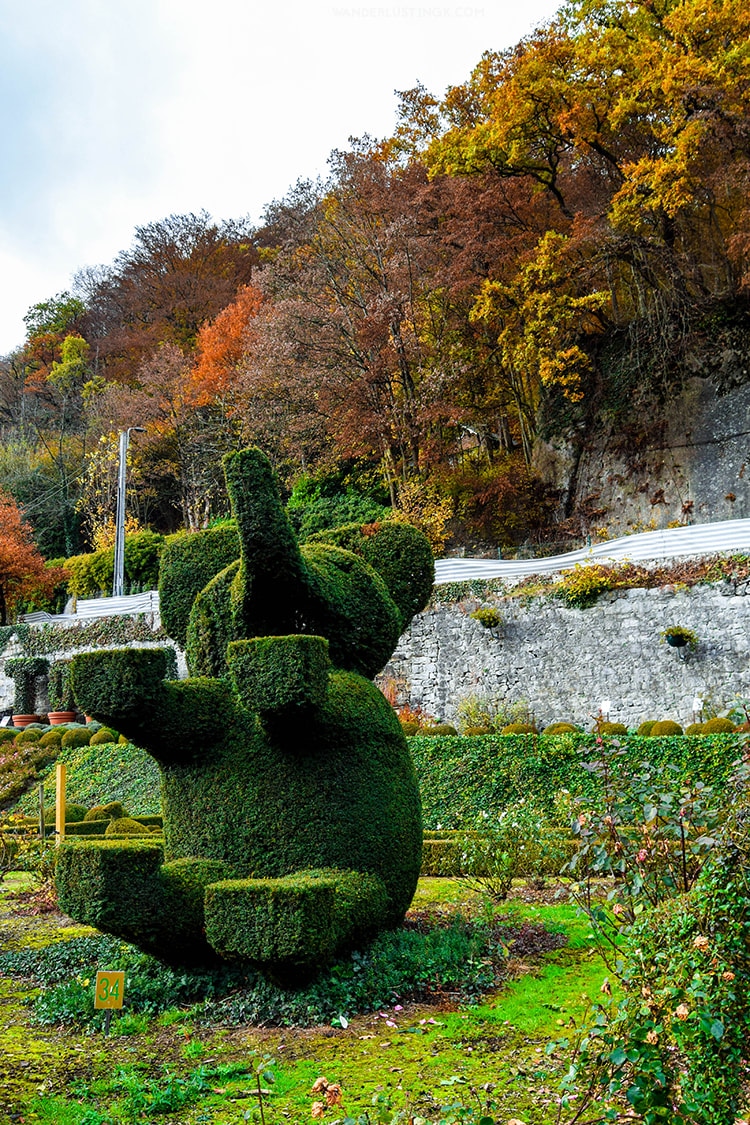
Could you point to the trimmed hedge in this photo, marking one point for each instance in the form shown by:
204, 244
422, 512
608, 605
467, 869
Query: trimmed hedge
59, 687
92, 573
462, 777
296, 924
400, 553
24, 670
188, 563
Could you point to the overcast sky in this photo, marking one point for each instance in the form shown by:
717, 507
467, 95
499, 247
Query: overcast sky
116, 113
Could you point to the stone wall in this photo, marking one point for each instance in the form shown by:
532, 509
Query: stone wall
565, 662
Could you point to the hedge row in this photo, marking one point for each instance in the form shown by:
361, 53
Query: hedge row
459, 778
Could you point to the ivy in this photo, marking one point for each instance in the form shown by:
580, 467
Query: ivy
106, 632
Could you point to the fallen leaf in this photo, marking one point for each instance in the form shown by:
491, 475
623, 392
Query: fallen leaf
320, 1085
318, 1109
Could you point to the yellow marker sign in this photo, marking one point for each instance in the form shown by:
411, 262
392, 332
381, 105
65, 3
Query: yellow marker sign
110, 988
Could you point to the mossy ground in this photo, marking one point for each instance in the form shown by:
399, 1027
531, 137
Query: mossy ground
491, 1053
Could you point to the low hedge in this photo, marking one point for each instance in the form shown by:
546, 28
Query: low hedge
459, 777
443, 856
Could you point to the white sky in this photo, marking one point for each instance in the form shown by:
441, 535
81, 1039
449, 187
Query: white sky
116, 113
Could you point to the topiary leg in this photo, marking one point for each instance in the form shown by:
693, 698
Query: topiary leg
123, 888
292, 925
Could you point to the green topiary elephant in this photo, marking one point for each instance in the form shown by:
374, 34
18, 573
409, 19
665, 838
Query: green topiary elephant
292, 823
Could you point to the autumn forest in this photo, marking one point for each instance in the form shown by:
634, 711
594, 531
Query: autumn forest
550, 246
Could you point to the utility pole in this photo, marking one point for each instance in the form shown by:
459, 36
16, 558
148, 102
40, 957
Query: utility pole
118, 582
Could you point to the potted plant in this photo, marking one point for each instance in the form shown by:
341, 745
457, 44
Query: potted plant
677, 636
24, 671
61, 701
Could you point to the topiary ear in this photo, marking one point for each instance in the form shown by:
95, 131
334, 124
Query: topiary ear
401, 555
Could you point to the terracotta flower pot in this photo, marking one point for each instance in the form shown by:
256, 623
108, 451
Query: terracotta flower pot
55, 718
24, 720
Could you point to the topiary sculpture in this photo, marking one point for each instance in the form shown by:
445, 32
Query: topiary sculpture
291, 810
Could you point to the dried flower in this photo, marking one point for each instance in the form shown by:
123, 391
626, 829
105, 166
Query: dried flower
333, 1094
682, 1011
317, 1109
651, 1036
700, 941
728, 975
320, 1085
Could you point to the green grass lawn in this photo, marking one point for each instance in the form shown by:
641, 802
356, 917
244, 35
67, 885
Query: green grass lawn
488, 1056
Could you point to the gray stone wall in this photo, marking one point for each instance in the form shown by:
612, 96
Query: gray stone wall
565, 662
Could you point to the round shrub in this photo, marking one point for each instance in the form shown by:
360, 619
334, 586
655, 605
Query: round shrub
612, 728
126, 826
75, 738
105, 734
74, 814
665, 727
519, 728
27, 736
472, 731
7, 734
718, 726
410, 727
487, 616
694, 728
111, 811
123, 741
439, 729
644, 730
52, 738
561, 728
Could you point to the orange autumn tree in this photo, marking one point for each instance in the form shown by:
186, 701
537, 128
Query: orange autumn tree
222, 343
23, 573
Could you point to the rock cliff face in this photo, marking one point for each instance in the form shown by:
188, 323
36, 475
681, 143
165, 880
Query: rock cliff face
565, 662
688, 463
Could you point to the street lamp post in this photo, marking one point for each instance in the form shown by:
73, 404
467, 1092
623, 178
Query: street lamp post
118, 580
